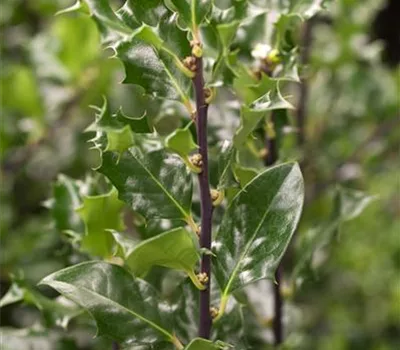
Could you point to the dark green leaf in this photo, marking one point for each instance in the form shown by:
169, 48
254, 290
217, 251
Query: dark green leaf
257, 227
125, 309
156, 184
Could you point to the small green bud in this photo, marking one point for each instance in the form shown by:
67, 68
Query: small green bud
209, 94
214, 311
197, 51
274, 56
217, 197
202, 277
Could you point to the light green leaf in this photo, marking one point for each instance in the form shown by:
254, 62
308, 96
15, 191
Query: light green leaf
125, 309
174, 249
100, 214
257, 228
154, 183
123, 245
181, 141
191, 12
244, 175
251, 115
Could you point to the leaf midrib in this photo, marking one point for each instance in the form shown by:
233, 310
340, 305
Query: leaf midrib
245, 251
159, 184
152, 324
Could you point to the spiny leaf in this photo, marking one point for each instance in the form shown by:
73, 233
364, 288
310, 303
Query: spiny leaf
100, 214
257, 227
125, 309
191, 12
155, 184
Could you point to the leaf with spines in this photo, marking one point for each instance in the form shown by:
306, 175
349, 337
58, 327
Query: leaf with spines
174, 249
155, 184
125, 309
115, 131
191, 12
100, 214
257, 228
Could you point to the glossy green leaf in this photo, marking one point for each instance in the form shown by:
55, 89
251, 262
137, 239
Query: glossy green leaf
155, 184
174, 249
148, 11
106, 17
156, 72
100, 214
257, 228
125, 309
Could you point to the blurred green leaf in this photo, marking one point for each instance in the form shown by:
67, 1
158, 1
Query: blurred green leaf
100, 214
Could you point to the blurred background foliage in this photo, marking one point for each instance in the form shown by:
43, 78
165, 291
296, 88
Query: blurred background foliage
347, 295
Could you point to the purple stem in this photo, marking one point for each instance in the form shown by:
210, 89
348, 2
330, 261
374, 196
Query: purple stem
205, 198
278, 308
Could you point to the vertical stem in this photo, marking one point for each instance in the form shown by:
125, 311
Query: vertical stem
278, 308
205, 198
115, 345
270, 159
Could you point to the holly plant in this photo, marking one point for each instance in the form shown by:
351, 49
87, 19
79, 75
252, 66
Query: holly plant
193, 203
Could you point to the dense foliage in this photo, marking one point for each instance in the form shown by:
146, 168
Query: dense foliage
104, 142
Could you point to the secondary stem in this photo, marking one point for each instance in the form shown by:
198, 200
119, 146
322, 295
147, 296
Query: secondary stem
205, 198
278, 308
270, 159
